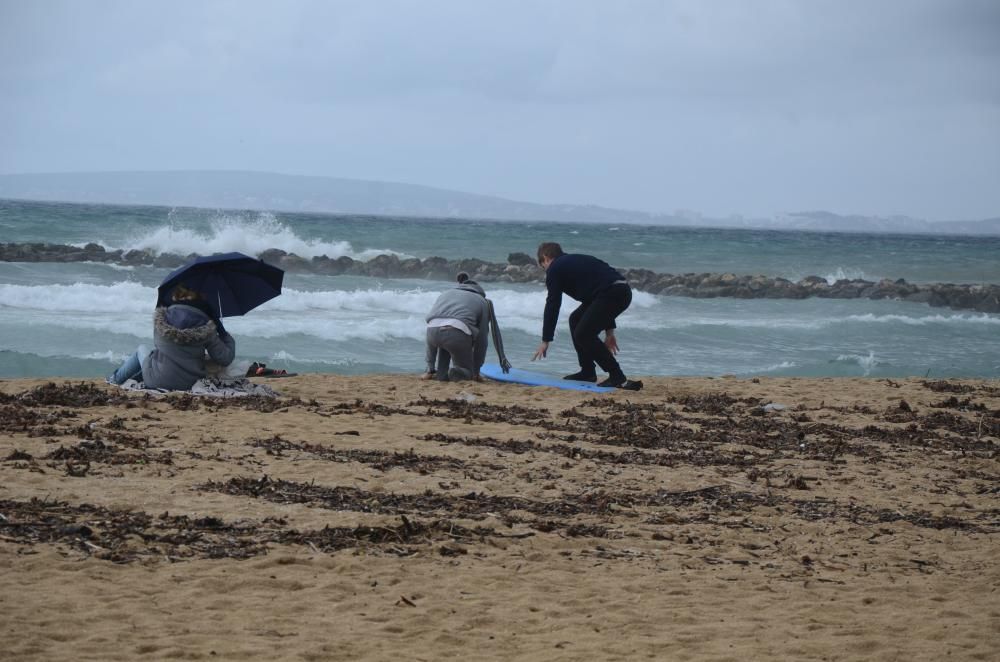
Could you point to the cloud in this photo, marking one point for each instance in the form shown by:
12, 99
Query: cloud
728, 106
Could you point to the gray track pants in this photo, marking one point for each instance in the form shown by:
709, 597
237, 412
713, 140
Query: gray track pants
446, 345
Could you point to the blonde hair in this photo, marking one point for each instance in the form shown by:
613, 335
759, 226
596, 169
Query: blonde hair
182, 293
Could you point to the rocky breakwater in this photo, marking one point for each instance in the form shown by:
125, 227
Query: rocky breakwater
979, 297
522, 268
42, 252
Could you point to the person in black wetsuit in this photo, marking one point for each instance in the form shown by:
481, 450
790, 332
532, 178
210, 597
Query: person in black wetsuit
603, 293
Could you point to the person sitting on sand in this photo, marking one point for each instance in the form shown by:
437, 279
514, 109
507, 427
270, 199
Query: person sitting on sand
185, 333
603, 293
458, 332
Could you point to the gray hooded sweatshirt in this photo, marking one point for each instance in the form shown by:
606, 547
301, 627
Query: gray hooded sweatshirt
183, 334
466, 303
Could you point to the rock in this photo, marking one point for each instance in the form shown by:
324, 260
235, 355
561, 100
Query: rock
845, 289
641, 279
94, 252
437, 268
382, 266
293, 263
135, 258
470, 266
272, 255
322, 264
521, 260
814, 282
410, 267
990, 301
168, 260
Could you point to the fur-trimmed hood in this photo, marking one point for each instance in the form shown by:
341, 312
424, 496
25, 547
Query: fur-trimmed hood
184, 325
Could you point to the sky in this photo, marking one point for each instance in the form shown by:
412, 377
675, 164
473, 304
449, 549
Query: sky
720, 107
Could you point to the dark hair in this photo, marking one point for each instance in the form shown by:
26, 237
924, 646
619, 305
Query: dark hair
549, 249
462, 277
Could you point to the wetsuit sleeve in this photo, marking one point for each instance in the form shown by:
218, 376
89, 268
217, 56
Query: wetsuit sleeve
552, 303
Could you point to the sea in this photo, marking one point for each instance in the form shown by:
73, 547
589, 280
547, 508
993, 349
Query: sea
79, 320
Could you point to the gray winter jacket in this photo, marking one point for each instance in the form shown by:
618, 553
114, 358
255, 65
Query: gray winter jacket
466, 303
183, 334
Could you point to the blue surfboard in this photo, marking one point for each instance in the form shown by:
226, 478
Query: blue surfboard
515, 376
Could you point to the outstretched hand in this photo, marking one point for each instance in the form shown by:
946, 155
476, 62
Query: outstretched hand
610, 341
541, 351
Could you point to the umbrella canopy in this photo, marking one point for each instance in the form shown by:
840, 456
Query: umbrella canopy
232, 283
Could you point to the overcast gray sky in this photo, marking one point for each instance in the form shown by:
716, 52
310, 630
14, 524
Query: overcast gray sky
751, 107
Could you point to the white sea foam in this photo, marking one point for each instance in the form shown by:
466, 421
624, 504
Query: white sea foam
846, 274
124, 297
113, 266
138, 326
368, 326
245, 232
653, 322
688, 322
866, 363
287, 358
382, 313
109, 356
831, 277
982, 318
784, 365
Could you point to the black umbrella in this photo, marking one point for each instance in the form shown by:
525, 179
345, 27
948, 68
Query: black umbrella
232, 283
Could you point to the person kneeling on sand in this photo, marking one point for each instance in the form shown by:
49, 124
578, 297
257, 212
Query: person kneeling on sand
186, 333
603, 293
457, 332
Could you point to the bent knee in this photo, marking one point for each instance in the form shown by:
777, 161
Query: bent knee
457, 374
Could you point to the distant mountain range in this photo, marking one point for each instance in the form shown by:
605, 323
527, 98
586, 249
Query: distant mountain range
295, 193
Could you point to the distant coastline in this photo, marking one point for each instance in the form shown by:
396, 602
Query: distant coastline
330, 195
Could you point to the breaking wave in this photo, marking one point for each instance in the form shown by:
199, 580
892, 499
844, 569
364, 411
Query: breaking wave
246, 232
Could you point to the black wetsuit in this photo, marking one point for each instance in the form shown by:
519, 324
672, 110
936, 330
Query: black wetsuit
603, 293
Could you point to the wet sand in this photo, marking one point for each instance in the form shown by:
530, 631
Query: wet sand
375, 518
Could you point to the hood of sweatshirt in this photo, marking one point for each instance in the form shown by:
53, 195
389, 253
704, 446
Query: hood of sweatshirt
472, 286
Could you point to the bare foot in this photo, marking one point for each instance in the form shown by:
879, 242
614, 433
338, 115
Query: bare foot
427, 375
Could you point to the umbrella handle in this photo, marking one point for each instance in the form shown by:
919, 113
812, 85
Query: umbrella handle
219, 295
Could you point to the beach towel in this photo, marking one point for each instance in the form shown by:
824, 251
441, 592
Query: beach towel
239, 387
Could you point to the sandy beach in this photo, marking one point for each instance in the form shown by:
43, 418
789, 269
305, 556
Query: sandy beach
382, 517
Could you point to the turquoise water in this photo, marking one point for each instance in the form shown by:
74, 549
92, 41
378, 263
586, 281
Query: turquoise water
81, 319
